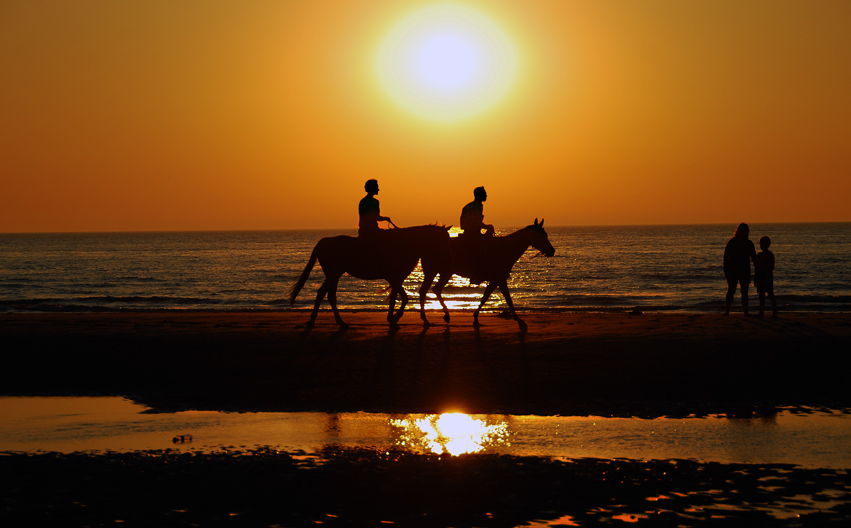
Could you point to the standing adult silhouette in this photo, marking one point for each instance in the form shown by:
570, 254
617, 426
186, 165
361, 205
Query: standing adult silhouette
738, 254
369, 211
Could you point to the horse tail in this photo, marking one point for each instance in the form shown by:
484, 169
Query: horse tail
302, 280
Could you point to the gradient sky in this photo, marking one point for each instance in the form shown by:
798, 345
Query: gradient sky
163, 115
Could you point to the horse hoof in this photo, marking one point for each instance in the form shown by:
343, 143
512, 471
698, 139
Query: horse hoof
446, 318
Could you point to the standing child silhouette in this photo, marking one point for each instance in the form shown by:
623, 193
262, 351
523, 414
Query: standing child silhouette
763, 276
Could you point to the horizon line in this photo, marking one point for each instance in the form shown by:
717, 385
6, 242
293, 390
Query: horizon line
142, 231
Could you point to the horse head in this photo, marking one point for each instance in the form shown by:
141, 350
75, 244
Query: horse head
540, 240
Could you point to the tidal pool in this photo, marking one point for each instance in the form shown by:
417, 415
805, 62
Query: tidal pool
100, 424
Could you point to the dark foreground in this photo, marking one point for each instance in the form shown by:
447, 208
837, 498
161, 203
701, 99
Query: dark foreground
364, 488
615, 364
569, 364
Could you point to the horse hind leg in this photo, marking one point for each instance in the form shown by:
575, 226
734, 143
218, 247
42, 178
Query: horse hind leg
488, 291
332, 299
438, 292
320, 294
394, 320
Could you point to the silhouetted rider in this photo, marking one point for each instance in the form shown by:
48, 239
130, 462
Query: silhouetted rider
369, 211
473, 216
474, 243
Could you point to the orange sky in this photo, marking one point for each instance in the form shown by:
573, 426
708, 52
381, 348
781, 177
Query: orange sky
162, 115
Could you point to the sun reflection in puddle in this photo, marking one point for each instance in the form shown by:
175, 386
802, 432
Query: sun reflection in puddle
452, 433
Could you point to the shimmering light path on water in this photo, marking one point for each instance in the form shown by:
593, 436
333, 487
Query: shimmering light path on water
114, 424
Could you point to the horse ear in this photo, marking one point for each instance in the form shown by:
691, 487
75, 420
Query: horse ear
536, 221
542, 223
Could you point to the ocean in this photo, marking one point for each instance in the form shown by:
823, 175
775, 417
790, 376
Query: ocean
607, 268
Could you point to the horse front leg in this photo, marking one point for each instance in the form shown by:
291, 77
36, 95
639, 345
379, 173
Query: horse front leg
503, 287
391, 303
427, 280
488, 291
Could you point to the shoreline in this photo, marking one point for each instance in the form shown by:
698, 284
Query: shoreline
603, 364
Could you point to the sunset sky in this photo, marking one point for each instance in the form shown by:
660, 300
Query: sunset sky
216, 115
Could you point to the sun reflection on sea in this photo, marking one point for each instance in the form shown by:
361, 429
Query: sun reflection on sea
452, 433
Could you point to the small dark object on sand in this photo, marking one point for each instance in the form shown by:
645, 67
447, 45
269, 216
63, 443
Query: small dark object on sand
182, 439
636, 311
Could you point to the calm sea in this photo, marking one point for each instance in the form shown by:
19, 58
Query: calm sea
655, 268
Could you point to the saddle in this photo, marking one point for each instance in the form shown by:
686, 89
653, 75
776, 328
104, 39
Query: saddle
474, 256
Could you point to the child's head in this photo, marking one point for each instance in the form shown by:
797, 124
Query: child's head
764, 242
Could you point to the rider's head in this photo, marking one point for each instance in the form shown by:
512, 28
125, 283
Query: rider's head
480, 194
371, 186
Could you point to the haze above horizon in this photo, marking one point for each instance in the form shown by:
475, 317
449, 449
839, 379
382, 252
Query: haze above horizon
156, 116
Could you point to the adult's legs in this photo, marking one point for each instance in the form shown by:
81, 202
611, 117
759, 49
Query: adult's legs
773, 302
731, 291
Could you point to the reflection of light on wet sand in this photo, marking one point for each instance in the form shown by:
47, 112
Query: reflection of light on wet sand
453, 433
456, 302
459, 293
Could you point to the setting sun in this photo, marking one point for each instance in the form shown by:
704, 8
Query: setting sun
446, 63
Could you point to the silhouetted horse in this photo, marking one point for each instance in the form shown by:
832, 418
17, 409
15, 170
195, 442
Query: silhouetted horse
497, 260
392, 256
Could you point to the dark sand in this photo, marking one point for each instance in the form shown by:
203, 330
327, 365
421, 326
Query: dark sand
603, 364
566, 363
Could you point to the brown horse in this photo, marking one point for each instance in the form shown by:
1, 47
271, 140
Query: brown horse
499, 256
390, 255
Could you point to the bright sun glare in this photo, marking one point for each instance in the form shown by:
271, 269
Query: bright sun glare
446, 63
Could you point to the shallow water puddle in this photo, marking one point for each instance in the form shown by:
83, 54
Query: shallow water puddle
68, 424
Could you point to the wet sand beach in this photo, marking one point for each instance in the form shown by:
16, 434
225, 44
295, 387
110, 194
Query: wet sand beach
565, 363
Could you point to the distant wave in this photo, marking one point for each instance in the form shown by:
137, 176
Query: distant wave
156, 299
828, 299
101, 303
